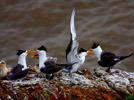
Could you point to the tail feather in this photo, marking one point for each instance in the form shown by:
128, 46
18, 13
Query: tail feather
72, 25
124, 57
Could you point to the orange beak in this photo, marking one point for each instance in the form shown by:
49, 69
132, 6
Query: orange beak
32, 51
34, 56
0, 64
90, 51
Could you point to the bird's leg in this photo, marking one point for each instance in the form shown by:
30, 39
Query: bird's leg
49, 76
70, 76
52, 76
111, 67
108, 69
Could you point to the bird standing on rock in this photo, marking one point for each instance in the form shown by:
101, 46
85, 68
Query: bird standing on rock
106, 59
48, 65
4, 69
72, 56
21, 69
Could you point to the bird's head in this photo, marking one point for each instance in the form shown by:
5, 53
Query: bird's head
25, 52
41, 51
42, 48
20, 52
94, 46
96, 49
2, 63
81, 50
84, 52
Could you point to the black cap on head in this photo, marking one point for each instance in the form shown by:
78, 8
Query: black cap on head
42, 48
82, 50
95, 45
19, 52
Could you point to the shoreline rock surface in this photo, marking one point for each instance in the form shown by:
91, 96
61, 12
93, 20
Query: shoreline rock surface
102, 85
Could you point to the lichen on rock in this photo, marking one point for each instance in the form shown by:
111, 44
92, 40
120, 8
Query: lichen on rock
100, 85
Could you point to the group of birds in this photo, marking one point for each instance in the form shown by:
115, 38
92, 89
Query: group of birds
48, 65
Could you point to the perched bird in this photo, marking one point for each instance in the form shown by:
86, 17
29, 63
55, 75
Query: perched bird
72, 56
47, 65
21, 69
4, 69
36, 67
106, 59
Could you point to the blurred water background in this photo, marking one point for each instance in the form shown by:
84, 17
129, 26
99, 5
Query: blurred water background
27, 24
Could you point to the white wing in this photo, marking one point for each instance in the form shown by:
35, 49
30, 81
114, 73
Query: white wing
72, 25
75, 57
72, 56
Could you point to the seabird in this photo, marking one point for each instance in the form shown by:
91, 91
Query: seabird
4, 69
48, 65
21, 69
71, 52
106, 59
36, 67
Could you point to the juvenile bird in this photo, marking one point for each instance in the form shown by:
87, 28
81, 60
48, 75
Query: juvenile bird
4, 69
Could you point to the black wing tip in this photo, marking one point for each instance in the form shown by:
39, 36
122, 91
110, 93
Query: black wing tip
124, 57
131, 54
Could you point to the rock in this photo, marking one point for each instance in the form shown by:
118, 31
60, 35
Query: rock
99, 72
118, 80
115, 85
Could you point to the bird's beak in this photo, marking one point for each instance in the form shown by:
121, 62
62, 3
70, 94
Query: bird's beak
32, 51
0, 64
34, 56
90, 51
